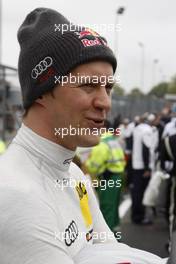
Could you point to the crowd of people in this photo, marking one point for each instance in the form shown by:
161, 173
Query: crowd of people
142, 158
150, 162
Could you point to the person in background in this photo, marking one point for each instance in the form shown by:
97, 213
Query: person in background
107, 162
170, 128
128, 137
123, 127
168, 153
2, 146
168, 165
141, 165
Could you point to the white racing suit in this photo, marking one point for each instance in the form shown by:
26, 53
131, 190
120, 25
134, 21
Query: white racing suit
110, 254
47, 215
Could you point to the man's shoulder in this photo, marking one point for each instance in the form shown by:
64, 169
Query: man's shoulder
144, 126
145, 129
16, 157
17, 168
171, 124
170, 129
137, 129
10, 158
75, 171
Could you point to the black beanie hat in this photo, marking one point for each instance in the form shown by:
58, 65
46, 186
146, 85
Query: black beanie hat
51, 46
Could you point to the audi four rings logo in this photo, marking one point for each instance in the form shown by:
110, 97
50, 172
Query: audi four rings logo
71, 233
41, 67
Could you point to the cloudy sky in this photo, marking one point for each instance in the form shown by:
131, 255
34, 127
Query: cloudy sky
152, 22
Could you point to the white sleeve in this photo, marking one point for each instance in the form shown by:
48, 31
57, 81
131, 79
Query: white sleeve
147, 138
110, 254
129, 130
28, 228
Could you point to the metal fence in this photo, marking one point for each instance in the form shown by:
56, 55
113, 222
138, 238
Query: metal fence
127, 106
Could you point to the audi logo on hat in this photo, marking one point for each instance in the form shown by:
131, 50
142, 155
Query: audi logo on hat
71, 233
41, 67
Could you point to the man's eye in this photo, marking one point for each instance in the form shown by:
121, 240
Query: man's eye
88, 87
108, 90
90, 84
86, 84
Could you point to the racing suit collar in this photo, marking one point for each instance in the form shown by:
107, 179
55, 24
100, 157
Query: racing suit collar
45, 148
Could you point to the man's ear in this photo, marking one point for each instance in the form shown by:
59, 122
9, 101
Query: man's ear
44, 100
40, 100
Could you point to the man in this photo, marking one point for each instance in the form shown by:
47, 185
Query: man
170, 128
48, 213
107, 162
141, 164
128, 136
168, 165
168, 153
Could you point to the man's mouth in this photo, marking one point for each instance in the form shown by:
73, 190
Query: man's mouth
95, 122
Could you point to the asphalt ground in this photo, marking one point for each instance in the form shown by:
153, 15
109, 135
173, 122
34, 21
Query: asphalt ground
152, 238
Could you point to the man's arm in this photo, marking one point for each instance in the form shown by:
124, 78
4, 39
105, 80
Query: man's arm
28, 228
146, 152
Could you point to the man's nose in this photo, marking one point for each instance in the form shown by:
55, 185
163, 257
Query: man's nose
102, 100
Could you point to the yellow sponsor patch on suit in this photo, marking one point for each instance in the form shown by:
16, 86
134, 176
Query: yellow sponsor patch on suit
84, 203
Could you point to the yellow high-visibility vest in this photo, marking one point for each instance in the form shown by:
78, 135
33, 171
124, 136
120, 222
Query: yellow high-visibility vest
108, 155
2, 147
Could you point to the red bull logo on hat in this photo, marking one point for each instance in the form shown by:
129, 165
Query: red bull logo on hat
87, 32
89, 38
88, 42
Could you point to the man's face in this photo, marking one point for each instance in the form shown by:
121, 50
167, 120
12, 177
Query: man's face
82, 104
